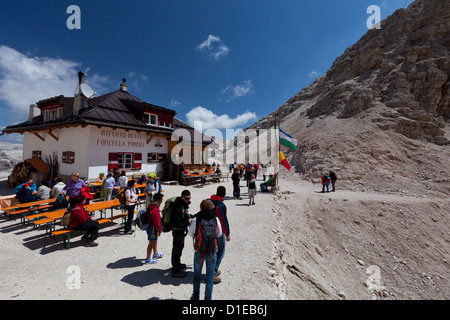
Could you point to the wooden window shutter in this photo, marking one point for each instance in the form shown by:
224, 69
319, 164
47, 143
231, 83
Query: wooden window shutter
113, 161
137, 163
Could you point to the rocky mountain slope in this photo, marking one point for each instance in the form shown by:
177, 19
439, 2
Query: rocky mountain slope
380, 116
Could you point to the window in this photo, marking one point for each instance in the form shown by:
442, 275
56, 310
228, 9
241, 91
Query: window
36, 154
68, 157
150, 118
125, 161
53, 113
165, 124
152, 158
59, 112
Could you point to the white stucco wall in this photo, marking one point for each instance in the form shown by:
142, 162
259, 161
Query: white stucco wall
69, 139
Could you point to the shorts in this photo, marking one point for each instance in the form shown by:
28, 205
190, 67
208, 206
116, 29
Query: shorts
252, 192
152, 233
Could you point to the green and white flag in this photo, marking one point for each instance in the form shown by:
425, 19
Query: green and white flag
287, 140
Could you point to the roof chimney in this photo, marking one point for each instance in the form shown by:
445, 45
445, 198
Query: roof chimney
79, 100
33, 111
124, 86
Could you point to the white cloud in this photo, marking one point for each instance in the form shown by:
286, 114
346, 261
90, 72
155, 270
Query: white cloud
213, 47
213, 121
235, 91
313, 74
25, 80
174, 102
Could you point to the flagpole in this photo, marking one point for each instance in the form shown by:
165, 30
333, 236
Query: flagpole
275, 166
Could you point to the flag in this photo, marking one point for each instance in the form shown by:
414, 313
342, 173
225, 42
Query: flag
283, 160
287, 140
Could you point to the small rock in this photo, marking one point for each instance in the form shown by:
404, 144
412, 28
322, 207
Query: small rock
361, 262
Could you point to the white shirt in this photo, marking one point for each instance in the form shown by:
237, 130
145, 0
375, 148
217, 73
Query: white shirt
193, 227
57, 188
122, 181
131, 193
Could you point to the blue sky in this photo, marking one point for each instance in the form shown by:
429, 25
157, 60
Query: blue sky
228, 63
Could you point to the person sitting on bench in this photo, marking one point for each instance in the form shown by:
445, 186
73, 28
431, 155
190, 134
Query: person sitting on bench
80, 220
268, 183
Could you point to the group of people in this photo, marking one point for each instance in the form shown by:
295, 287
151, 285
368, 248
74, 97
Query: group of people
28, 191
328, 179
184, 223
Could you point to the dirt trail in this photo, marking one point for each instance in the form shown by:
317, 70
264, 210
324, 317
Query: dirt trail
358, 245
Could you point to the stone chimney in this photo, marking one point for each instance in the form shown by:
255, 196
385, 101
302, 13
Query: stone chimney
124, 86
79, 100
34, 111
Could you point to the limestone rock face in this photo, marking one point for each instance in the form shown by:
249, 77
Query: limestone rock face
392, 85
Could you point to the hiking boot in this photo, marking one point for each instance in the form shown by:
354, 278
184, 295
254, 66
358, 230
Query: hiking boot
179, 274
194, 298
216, 279
218, 272
92, 243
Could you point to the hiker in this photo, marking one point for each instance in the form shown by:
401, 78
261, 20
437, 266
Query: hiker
57, 188
333, 178
80, 220
25, 194
180, 221
30, 183
152, 188
269, 183
206, 213
44, 191
208, 170
100, 177
130, 204
236, 178
154, 229
325, 183
251, 190
108, 186
123, 180
74, 185
221, 214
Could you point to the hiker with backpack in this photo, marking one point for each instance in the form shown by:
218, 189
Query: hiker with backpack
326, 183
205, 229
236, 178
152, 188
221, 214
179, 221
154, 229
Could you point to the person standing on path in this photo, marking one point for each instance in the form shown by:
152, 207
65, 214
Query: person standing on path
180, 221
333, 178
207, 213
75, 184
108, 186
236, 178
154, 229
251, 190
130, 204
326, 183
221, 214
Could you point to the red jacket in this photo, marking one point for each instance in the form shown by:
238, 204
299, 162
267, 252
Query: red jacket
155, 217
78, 216
325, 180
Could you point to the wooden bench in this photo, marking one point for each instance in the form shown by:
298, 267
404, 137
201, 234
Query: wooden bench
68, 233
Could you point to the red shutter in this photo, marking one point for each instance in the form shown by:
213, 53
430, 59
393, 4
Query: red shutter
113, 161
137, 163
71, 157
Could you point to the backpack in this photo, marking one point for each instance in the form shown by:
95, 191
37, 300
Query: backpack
142, 220
65, 221
121, 196
205, 240
61, 202
327, 177
166, 225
